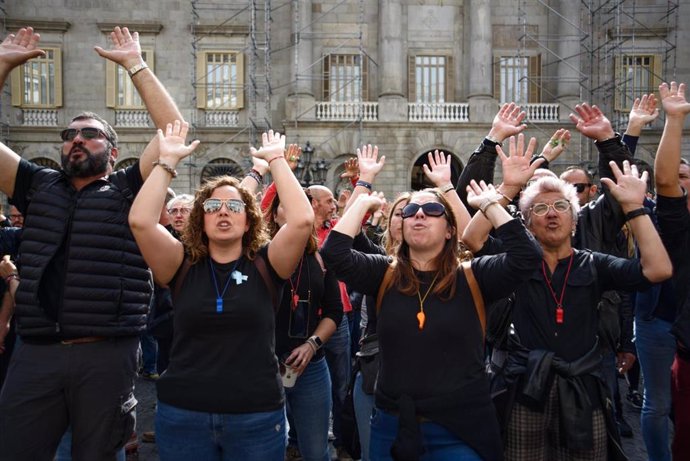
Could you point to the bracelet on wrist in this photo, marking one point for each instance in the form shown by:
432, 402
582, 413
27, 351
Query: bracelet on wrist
312, 345
132, 71
447, 188
363, 184
275, 158
11, 277
637, 212
493, 141
487, 204
255, 176
170, 170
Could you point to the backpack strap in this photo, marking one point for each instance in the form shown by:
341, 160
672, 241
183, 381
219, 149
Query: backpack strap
476, 294
260, 263
181, 275
385, 285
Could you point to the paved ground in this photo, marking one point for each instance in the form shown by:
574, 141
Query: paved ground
146, 394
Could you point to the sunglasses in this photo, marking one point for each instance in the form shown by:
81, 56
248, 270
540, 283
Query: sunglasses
561, 206
182, 211
433, 209
581, 186
213, 205
87, 133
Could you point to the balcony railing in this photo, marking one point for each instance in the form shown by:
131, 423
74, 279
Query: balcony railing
541, 113
451, 112
347, 111
222, 118
40, 117
132, 118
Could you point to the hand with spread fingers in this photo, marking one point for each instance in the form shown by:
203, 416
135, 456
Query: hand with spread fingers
126, 50
438, 169
643, 112
18, 48
507, 122
556, 145
369, 162
516, 166
591, 122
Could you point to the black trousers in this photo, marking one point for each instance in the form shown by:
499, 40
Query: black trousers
51, 386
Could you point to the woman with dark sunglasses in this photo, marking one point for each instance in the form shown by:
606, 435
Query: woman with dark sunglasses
432, 394
221, 396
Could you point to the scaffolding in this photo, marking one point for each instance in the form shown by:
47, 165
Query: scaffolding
626, 47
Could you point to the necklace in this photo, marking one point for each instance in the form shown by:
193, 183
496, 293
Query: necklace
421, 317
294, 298
219, 295
559, 302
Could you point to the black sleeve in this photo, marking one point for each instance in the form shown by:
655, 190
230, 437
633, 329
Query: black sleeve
480, 166
361, 272
626, 314
10, 237
363, 243
331, 304
501, 274
619, 273
128, 178
23, 182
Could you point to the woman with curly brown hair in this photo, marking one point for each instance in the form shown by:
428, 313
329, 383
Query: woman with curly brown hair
221, 396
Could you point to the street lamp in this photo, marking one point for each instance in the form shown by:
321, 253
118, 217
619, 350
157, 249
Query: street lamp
309, 169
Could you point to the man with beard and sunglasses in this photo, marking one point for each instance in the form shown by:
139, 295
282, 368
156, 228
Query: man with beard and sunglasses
84, 292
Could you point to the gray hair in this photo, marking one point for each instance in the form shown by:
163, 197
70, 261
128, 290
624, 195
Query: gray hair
544, 185
184, 198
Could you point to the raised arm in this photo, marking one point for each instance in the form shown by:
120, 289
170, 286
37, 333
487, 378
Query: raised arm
351, 221
644, 111
438, 172
630, 189
126, 52
161, 251
15, 50
287, 246
667, 162
370, 165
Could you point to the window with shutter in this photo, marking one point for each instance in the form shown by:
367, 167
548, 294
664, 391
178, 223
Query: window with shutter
120, 91
38, 83
635, 75
220, 80
345, 78
430, 79
517, 78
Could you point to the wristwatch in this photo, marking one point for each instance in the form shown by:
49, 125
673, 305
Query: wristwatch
315, 341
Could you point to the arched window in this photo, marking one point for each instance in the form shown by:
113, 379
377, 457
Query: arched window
46, 162
419, 180
221, 167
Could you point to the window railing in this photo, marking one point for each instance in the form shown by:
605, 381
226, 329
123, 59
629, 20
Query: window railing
222, 118
347, 111
541, 113
40, 117
452, 112
131, 118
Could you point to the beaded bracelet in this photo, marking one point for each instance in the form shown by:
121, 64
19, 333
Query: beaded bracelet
363, 184
256, 176
487, 204
170, 170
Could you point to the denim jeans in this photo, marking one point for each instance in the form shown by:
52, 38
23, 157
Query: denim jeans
64, 451
149, 353
185, 434
656, 348
364, 408
309, 404
339, 366
439, 444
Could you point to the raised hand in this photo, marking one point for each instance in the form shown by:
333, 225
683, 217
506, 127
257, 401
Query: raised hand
644, 111
351, 168
516, 166
630, 187
293, 154
480, 194
592, 122
438, 170
368, 202
18, 48
273, 146
126, 50
369, 162
673, 99
507, 122
556, 145
172, 146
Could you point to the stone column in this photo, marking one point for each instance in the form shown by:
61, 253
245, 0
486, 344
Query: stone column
392, 60
301, 100
482, 104
568, 67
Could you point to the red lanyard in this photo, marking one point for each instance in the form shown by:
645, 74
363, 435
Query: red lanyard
559, 303
293, 287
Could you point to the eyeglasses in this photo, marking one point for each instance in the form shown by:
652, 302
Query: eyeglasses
182, 211
561, 206
213, 205
433, 209
87, 133
581, 186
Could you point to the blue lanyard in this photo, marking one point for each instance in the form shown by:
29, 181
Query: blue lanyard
219, 296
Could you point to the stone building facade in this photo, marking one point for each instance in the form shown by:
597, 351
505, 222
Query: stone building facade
410, 76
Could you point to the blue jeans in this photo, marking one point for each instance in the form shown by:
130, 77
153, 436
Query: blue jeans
64, 451
340, 368
309, 404
149, 353
364, 408
439, 444
186, 434
656, 348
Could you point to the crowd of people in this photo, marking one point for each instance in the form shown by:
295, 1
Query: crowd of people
468, 321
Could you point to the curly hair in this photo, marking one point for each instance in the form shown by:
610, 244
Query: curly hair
194, 236
542, 186
273, 227
447, 261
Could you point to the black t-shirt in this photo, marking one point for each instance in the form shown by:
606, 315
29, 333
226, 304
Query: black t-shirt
224, 362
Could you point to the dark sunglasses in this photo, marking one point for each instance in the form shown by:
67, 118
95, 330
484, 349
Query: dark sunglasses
213, 205
434, 209
581, 186
87, 133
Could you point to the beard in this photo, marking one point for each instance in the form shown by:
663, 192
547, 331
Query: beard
91, 165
